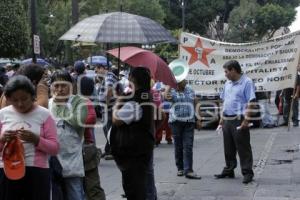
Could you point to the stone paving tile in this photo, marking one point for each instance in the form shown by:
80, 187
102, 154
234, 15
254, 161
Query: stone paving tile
284, 191
271, 198
275, 181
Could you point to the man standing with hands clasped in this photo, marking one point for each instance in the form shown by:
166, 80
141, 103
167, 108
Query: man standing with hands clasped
238, 95
182, 123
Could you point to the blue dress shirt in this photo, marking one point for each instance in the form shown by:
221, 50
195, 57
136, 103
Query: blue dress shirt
236, 95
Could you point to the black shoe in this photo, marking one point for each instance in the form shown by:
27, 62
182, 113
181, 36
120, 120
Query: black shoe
247, 179
295, 124
225, 175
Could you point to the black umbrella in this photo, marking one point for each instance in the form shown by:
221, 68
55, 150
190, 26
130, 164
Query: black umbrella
118, 27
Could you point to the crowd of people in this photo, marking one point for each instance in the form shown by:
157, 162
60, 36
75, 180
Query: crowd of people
47, 122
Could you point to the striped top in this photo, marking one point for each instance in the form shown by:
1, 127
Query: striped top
110, 81
182, 105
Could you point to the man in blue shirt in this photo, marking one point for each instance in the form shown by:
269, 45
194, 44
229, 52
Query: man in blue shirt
238, 95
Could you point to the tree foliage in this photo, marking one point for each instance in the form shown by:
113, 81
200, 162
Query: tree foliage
248, 20
254, 20
200, 13
242, 22
271, 17
54, 17
14, 32
169, 51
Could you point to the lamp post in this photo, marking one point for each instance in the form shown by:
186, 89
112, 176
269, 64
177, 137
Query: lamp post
182, 2
33, 27
75, 12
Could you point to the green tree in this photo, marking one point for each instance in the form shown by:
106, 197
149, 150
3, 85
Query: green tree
271, 17
172, 11
242, 22
14, 30
51, 28
169, 51
54, 19
147, 8
254, 20
198, 13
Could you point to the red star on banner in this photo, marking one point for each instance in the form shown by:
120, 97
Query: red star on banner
198, 53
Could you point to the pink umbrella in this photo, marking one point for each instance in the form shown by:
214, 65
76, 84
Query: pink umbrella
135, 57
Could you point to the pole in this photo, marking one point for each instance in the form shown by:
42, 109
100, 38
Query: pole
75, 12
293, 99
33, 26
119, 57
107, 48
291, 107
119, 45
183, 14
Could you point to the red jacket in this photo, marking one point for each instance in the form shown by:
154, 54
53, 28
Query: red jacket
90, 120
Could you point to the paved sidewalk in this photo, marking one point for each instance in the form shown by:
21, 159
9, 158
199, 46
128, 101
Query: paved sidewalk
277, 169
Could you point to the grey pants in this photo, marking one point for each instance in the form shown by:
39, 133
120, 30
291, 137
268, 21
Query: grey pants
93, 188
237, 141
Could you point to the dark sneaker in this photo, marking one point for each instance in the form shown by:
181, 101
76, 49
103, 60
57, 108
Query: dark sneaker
180, 173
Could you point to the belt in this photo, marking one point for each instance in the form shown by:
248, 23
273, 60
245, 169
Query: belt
225, 115
234, 116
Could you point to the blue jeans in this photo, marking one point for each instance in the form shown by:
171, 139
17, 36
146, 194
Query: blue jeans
183, 134
74, 188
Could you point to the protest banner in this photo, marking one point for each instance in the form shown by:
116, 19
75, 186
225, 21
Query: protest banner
272, 64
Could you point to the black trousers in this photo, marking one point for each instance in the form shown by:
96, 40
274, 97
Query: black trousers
134, 174
107, 126
35, 185
237, 141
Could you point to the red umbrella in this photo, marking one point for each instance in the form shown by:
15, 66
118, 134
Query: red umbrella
135, 57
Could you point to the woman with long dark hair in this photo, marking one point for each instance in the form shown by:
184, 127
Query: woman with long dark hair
132, 134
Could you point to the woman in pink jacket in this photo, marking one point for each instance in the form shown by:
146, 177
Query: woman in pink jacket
35, 128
